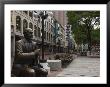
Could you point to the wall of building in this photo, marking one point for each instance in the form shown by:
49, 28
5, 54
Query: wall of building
61, 17
36, 25
55, 22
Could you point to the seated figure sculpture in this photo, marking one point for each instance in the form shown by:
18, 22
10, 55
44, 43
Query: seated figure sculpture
26, 63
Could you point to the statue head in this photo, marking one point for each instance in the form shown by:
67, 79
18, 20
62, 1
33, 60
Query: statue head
28, 33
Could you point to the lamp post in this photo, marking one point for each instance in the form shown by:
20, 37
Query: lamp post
43, 16
68, 26
55, 36
61, 45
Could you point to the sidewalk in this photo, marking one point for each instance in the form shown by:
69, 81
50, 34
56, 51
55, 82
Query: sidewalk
82, 66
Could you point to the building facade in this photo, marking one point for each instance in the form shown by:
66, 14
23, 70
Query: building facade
20, 20
62, 19
54, 29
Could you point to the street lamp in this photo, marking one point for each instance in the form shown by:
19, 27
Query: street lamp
55, 35
43, 16
58, 36
68, 34
61, 45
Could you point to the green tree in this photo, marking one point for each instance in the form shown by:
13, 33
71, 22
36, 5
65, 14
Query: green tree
83, 22
95, 36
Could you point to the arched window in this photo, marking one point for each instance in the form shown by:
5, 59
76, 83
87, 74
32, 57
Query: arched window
49, 36
35, 30
18, 23
30, 25
25, 24
45, 24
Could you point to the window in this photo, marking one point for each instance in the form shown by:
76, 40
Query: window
30, 25
26, 12
47, 35
30, 13
35, 14
25, 24
18, 23
39, 20
35, 31
47, 25
51, 37
39, 32
51, 28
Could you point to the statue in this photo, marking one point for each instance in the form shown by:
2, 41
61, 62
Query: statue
26, 63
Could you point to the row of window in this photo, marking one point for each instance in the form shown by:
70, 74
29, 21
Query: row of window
30, 13
37, 31
46, 24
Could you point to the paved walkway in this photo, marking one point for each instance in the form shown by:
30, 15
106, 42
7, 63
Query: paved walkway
82, 66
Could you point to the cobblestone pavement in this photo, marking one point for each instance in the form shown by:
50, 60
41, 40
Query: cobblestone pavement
82, 66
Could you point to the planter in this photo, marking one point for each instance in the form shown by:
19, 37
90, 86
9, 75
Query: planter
54, 64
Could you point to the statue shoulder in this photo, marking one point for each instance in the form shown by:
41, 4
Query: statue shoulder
19, 41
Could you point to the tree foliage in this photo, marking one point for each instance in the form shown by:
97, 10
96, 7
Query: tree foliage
95, 36
83, 24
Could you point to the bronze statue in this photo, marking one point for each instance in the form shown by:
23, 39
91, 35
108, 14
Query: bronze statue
26, 63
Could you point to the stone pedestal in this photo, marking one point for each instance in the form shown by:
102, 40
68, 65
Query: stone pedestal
54, 64
45, 66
